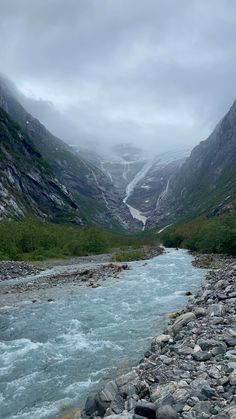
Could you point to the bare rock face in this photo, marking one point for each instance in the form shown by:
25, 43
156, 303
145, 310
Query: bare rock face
27, 183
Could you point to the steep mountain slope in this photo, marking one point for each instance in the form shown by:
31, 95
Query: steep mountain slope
27, 184
93, 191
206, 182
120, 163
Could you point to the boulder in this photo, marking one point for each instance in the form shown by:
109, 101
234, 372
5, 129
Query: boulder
159, 341
146, 409
181, 321
201, 356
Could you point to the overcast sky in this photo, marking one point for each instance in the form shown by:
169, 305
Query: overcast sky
157, 73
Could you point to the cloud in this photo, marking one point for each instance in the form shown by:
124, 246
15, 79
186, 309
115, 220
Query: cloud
155, 73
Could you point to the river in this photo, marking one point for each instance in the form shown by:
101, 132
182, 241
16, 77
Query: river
55, 354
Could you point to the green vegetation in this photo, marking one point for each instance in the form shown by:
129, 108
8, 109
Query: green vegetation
128, 256
206, 235
36, 240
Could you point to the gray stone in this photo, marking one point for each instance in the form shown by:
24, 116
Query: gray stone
216, 309
215, 372
109, 392
146, 409
208, 392
181, 321
131, 376
201, 356
200, 312
203, 407
166, 412
159, 341
90, 406
232, 378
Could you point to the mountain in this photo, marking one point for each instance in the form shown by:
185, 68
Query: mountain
141, 180
206, 182
120, 163
98, 200
27, 183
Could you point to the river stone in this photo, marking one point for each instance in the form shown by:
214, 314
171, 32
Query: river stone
166, 412
216, 310
146, 409
159, 341
181, 321
232, 378
215, 372
201, 356
131, 376
90, 406
231, 355
200, 312
109, 392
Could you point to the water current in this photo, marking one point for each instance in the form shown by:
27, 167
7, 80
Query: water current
54, 354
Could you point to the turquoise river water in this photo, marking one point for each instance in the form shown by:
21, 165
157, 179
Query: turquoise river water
54, 354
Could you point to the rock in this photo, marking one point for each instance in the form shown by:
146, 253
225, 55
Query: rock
146, 409
231, 355
181, 321
201, 356
210, 344
215, 372
159, 341
131, 376
208, 392
90, 406
109, 392
166, 412
202, 407
105, 397
200, 312
216, 310
232, 378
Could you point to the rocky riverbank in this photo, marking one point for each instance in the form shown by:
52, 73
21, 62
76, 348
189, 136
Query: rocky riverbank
190, 370
12, 269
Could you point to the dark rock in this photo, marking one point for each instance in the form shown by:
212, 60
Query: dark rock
201, 356
146, 409
90, 406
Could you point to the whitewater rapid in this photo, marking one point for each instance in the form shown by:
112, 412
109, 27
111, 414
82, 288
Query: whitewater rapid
55, 354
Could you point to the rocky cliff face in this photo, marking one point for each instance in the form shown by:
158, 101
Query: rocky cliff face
27, 184
206, 182
98, 200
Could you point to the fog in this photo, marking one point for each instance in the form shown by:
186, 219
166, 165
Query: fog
157, 74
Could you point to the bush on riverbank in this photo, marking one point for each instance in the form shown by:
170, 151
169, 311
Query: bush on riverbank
35, 240
128, 256
206, 235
